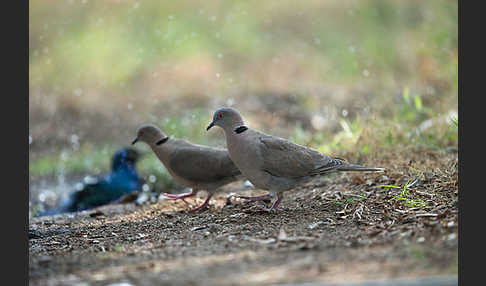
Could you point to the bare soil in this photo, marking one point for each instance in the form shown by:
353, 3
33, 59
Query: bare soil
344, 227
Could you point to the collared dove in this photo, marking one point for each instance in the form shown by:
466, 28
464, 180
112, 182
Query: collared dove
122, 180
272, 163
196, 166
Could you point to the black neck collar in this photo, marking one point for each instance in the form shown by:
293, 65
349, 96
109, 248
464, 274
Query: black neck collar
162, 141
241, 129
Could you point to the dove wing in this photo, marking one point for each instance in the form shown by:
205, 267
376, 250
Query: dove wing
202, 164
283, 158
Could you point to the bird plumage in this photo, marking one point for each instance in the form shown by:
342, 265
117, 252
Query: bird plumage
273, 163
209, 165
123, 179
196, 166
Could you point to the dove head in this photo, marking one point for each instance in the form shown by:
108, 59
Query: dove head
124, 157
150, 134
225, 118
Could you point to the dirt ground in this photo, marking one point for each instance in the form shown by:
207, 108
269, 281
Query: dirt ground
344, 227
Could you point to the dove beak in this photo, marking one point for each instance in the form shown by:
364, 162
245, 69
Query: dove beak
134, 140
209, 126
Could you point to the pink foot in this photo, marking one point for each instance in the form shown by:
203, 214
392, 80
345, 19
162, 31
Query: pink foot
204, 205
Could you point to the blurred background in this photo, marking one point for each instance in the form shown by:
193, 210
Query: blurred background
339, 76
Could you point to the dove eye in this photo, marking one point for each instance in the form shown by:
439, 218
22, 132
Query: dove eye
220, 115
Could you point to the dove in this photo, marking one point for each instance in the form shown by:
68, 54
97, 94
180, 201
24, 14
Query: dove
196, 166
122, 180
272, 163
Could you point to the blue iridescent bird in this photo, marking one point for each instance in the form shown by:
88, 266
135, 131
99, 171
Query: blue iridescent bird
122, 180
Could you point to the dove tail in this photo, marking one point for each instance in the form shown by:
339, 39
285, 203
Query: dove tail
351, 167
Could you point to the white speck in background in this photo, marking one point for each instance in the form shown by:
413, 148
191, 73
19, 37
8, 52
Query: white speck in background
152, 179
318, 122
145, 188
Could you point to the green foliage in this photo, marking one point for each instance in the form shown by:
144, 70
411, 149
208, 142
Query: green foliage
91, 159
300, 136
454, 121
350, 200
73, 44
191, 125
412, 110
404, 196
88, 157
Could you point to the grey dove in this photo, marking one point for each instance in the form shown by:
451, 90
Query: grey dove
272, 163
196, 166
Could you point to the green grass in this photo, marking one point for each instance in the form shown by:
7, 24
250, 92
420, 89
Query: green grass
88, 157
455, 121
110, 44
404, 196
403, 128
190, 126
350, 200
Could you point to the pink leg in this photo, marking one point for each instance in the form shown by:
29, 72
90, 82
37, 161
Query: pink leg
277, 202
257, 198
178, 196
204, 205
